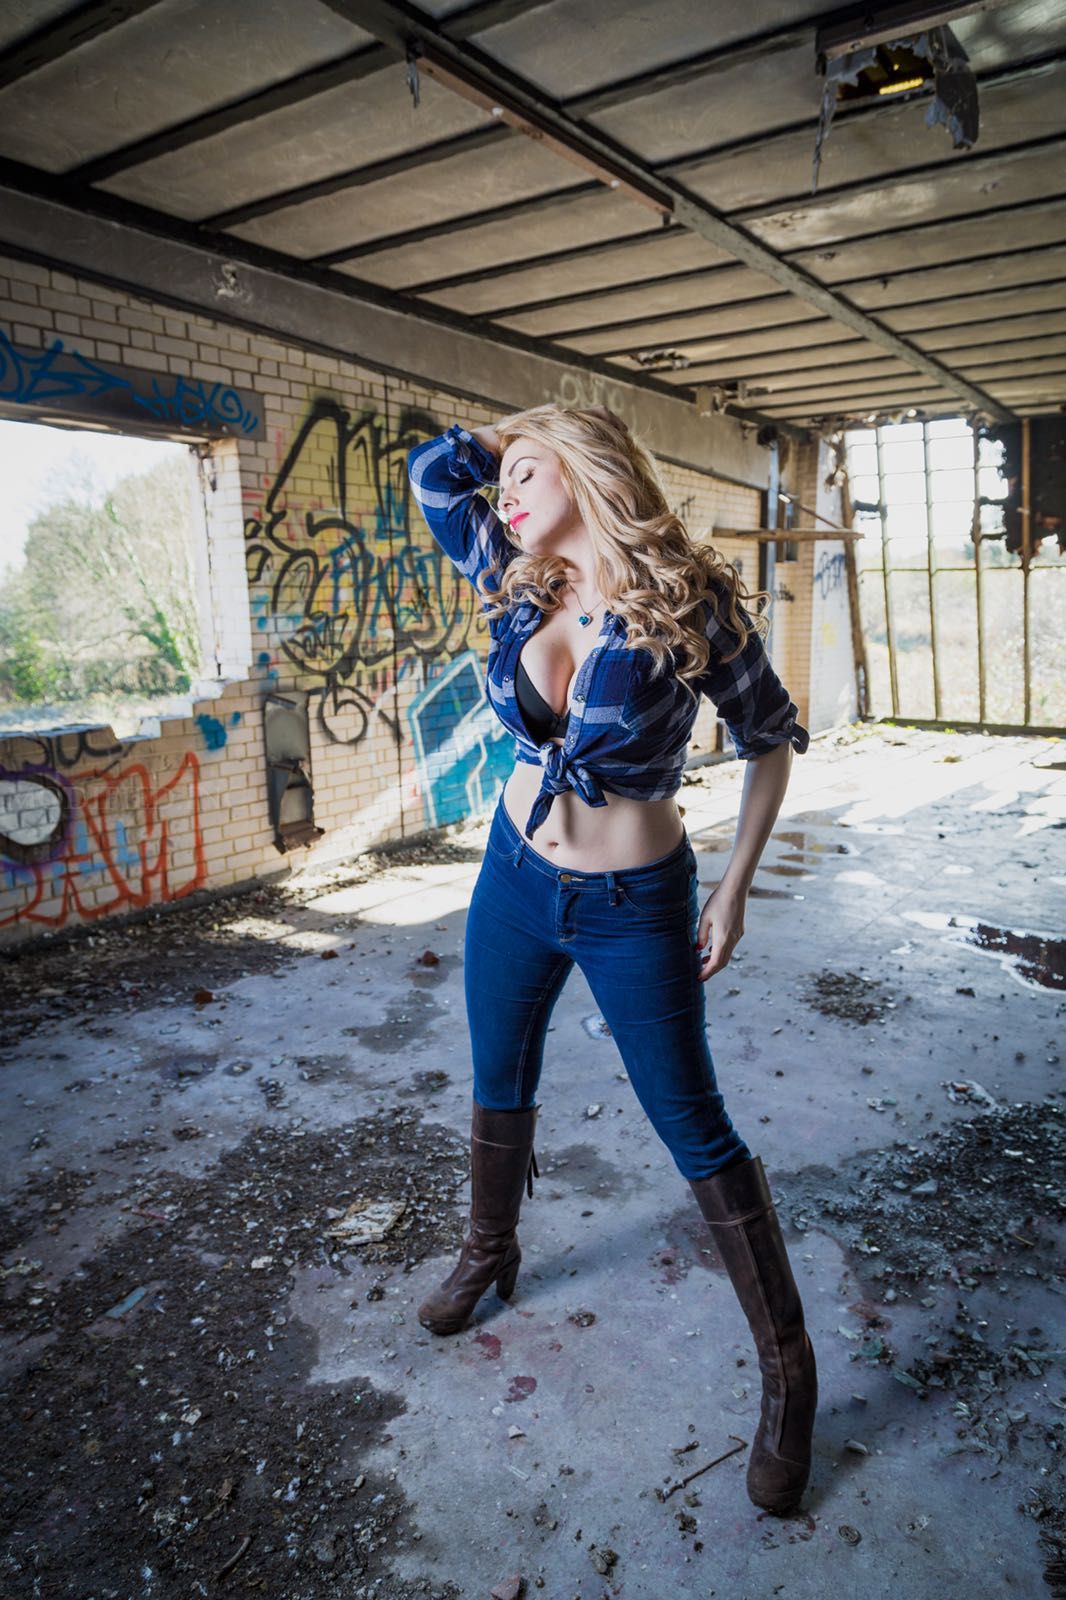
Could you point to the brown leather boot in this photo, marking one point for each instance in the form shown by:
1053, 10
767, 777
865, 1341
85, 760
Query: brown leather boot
501, 1164
736, 1203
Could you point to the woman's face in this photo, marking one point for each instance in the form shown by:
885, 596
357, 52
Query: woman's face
534, 498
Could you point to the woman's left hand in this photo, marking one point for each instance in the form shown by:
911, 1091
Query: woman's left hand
721, 927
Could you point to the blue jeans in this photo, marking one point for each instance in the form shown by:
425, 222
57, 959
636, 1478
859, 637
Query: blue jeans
633, 934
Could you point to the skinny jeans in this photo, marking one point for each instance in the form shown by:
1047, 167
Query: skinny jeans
633, 935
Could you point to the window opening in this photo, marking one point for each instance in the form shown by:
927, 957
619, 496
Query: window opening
963, 621
103, 565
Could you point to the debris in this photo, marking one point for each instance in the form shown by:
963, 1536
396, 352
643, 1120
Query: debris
203, 997
515, 1432
849, 996
603, 1559
592, 1111
134, 1296
967, 1091
512, 1588
582, 1319
855, 1447
849, 1534
429, 958
596, 1027
22, 1268
929, 1187
683, 1483
260, 1263
367, 1221
327, 955
228, 1566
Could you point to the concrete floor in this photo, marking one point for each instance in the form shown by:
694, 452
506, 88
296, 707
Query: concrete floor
535, 1442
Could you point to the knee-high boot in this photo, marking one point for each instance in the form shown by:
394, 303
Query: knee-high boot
736, 1203
502, 1163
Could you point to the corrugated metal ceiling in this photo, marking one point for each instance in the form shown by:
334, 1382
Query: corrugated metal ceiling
916, 277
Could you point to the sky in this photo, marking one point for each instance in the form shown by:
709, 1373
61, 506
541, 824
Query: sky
33, 461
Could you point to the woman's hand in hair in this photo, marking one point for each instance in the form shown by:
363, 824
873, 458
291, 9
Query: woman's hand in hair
721, 928
488, 437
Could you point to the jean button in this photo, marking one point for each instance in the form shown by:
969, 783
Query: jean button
564, 877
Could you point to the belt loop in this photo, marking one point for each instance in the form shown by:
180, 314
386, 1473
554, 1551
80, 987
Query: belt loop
612, 890
520, 850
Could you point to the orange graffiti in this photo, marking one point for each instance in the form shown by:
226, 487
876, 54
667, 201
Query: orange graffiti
130, 846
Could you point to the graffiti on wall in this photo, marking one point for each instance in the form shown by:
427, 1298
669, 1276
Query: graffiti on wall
829, 574
105, 841
462, 754
345, 586
61, 377
356, 597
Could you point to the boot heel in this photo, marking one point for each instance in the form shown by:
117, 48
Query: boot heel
505, 1283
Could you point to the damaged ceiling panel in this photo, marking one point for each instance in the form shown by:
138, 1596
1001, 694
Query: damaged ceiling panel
627, 185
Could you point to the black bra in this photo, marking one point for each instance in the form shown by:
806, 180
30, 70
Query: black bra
542, 722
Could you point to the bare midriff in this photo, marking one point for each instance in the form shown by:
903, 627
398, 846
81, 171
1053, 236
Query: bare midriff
623, 833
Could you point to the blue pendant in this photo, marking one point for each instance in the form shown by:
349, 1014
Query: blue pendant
584, 620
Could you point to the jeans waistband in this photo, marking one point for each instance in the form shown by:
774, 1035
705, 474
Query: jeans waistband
527, 856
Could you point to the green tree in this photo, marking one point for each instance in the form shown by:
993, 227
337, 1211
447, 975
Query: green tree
105, 602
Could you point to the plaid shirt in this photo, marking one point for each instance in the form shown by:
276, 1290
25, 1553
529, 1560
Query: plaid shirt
629, 731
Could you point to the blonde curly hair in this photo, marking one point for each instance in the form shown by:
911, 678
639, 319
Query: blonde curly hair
648, 569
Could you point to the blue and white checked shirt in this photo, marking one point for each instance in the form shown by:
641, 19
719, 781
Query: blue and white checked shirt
628, 731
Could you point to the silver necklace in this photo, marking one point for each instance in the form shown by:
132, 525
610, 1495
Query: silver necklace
586, 613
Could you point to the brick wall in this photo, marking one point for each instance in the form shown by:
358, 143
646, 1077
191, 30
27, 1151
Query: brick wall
324, 581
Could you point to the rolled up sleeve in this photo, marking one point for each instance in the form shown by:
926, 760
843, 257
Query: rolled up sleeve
749, 696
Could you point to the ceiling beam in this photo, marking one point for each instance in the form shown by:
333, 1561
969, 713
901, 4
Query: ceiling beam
481, 80
460, 224
553, 258
885, 182
742, 52
357, 177
54, 40
899, 21
350, 68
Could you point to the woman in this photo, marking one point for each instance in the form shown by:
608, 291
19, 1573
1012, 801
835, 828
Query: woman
606, 623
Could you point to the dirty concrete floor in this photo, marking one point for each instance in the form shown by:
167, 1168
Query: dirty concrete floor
209, 1389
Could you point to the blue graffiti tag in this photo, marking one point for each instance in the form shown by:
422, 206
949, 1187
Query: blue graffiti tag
830, 573
58, 373
213, 731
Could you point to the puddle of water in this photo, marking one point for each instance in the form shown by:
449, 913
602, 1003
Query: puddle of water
789, 872
813, 847
759, 892
1035, 960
